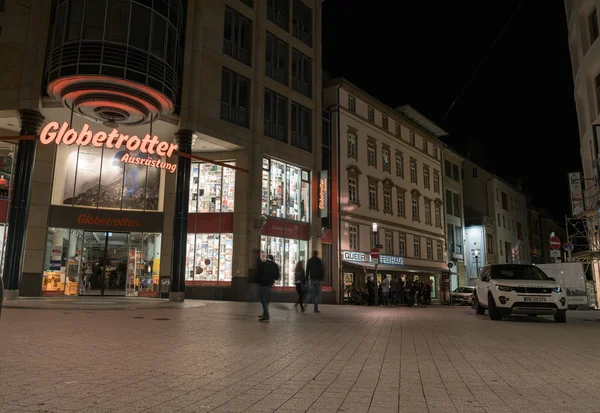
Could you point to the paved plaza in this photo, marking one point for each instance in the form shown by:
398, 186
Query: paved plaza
216, 357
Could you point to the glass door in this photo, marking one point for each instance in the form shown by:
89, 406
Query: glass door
105, 263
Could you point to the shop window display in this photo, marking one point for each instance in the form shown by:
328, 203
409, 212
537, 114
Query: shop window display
209, 257
212, 188
285, 191
286, 253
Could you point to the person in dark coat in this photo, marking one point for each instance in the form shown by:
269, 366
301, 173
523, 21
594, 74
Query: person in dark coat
315, 272
268, 273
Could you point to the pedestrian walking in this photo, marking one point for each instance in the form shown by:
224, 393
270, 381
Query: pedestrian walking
315, 272
385, 291
300, 278
268, 274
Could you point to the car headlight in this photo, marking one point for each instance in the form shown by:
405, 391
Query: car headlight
558, 290
504, 288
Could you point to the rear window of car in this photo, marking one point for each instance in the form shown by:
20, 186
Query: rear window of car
518, 272
464, 290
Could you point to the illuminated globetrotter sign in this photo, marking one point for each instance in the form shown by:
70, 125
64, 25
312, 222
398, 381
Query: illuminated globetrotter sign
150, 145
323, 205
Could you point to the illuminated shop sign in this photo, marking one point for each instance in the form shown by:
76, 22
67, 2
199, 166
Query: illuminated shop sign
354, 256
363, 257
323, 206
391, 260
150, 145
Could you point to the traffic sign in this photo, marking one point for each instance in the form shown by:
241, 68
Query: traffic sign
555, 253
554, 243
375, 253
568, 247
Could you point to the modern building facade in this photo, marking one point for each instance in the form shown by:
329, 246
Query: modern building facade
160, 143
388, 165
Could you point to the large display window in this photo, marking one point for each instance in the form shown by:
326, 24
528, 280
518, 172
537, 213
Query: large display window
95, 177
209, 258
212, 188
285, 191
286, 253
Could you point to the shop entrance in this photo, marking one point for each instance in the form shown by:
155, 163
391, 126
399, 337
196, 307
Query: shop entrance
106, 256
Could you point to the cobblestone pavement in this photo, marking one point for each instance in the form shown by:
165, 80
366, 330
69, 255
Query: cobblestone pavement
219, 358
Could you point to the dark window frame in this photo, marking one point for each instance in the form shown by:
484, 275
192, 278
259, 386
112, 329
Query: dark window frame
272, 126
278, 12
301, 134
231, 109
302, 22
301, 70
233, 47
273, 68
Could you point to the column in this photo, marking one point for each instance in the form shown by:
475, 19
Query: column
184, 139
31, 121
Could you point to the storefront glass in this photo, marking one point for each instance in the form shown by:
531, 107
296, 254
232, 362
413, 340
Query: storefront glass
212, 188
95, 177
209, 258
285, 191
286, 253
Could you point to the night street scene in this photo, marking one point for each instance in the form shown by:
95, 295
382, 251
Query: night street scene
323, 206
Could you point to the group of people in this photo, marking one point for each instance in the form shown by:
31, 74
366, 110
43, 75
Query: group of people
266, 273
395, 291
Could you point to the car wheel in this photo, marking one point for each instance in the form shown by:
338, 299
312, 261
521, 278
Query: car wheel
478, 309
493, 311
560, 317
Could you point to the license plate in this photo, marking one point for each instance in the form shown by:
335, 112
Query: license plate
535, 299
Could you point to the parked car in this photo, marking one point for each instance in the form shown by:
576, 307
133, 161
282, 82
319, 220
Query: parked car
462, 295
504, 289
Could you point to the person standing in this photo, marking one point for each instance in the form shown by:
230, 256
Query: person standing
268, 273
300, 277
394, 290
315, 272
385, 291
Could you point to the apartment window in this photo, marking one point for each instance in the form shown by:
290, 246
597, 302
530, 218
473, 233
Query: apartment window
301, 127
508, 223
278, 11
402, 244
503, 221
429, 245
400, 203
351, 104
276, 58
427, 213
497, 195
372, 196
425, 146
384, 122
389, 243
397, 129
385, 156
499, 219
353, 238
426, 182
597, 84
439, 251
438, 216
417, 247
301, 73
387, 201
489, 243
351, 146
237, 36
474, 172
456, 203
435, 152
593, 26
249, 3
302, 23
411, 138
235, 94
352, 191
436, 182
399, 166
415, 208
449, 205
371, 154
448, 168
458, 240
275, 121
504, 201
455, 173
371, 114
413, 171
450, 235
519, 231
536, 228
501, 249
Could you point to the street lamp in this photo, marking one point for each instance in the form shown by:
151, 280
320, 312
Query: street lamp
476, 255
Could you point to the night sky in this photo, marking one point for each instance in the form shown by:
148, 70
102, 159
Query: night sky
516, 118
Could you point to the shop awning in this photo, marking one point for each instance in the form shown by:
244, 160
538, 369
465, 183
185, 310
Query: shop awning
393, 268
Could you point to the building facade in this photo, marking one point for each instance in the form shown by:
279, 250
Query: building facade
168, 140
535, 237
388, 190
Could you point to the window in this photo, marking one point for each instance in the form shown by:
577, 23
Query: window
351, 146
474, 172
501, 249
212, 253
413, 171
450, 235
385, 155
497, 195
536, 228
448, 168
411, 138
275, 121
436, 182
212, 188
435, 152
249, 3
276, 59
425, 146
372, 196
235, 96
278, 11
371, 154
499, 219
449, 206
302, 23
397, 129
504, 201
455, 173
371, 114
301, 73
439, 251
489, 243
429, 245
415, 208
519, 231
427, 213
237, 36
285, 191
593, 26
456, 203
402, 244
458, 240
400, 203
301, 127
399, 165
353, 238
351, 104
597, 84
426, 182
438, 216
389, 243
508, 223
387, 201
503, 221
352, 198
384, 122
417, 247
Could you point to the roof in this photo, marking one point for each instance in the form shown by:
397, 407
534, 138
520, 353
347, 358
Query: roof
420, 119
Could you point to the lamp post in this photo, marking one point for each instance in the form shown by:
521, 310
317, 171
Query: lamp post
375, 232
476, 255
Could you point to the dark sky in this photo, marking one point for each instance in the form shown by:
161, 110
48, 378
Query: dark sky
517, 117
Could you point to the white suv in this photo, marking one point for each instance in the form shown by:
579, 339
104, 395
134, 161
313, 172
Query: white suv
505, 289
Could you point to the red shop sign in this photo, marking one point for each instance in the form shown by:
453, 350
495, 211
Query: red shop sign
292, 230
